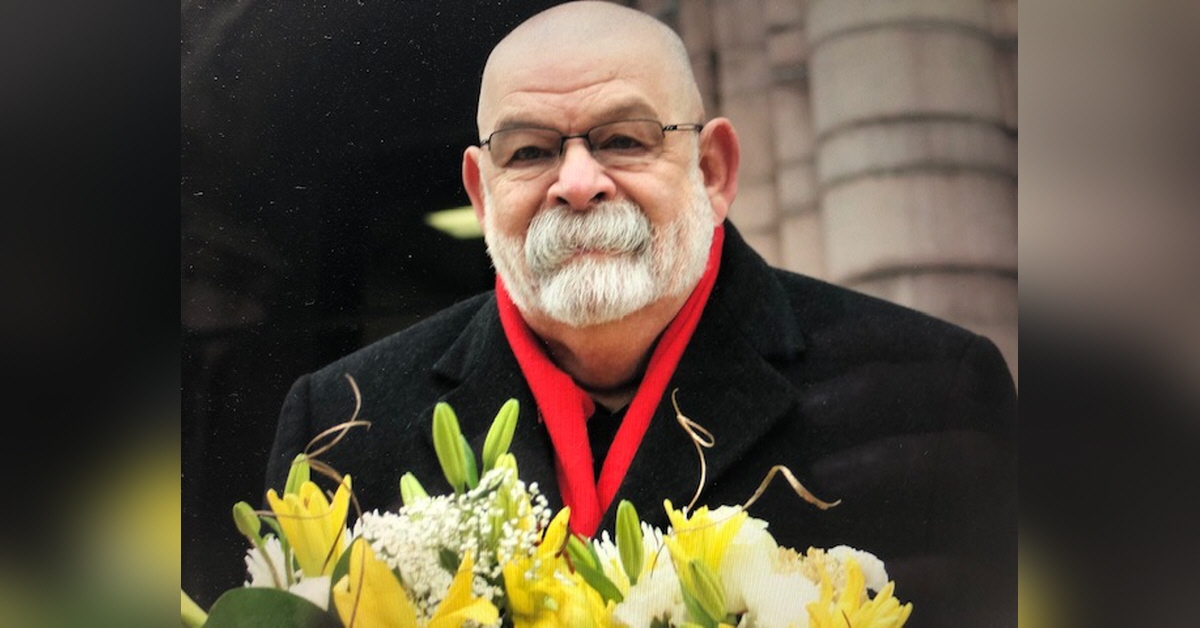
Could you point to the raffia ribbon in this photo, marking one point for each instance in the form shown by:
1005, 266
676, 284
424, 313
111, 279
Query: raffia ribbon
335, 433
704, 439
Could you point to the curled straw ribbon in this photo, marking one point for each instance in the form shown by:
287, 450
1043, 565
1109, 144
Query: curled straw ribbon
704, 439
336, 433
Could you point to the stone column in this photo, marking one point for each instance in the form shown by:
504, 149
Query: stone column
916, 166
743, 82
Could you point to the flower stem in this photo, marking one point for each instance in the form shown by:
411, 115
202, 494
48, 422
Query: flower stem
193, 616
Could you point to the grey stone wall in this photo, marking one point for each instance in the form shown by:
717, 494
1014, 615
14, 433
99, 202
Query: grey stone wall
879, 143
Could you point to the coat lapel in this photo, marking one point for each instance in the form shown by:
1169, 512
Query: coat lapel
486, 375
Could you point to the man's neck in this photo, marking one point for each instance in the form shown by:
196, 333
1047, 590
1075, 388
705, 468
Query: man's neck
607, 360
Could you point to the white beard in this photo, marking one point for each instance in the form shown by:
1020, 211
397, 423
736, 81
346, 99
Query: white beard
640, 263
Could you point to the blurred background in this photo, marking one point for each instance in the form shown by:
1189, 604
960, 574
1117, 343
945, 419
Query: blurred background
321, 199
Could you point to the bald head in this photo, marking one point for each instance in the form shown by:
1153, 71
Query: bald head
585, 49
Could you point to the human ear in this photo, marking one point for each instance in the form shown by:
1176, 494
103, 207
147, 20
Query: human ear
472, 181
719, 153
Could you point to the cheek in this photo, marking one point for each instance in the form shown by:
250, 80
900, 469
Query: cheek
511, 207
662, 200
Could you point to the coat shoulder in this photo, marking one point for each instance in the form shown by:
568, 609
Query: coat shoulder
833, 316
413, 350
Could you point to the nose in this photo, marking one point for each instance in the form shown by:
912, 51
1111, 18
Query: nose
581, 180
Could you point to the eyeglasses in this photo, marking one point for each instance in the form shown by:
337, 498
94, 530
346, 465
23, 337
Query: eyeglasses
532, 150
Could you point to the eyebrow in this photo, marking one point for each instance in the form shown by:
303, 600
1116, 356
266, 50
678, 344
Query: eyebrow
636, 109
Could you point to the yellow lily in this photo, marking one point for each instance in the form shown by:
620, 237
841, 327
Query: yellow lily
370, 594
697, 546
702, 536
853, 607
460, 604
542, 590
314, 528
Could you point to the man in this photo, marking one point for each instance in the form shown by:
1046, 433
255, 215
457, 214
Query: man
623, 292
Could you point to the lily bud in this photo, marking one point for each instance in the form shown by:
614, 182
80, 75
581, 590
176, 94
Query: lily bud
578, 551
297, 475
468, 458
708, 592
586, 563
500, 435
247, 522
630, 545
411, 490
507, 461
447, 442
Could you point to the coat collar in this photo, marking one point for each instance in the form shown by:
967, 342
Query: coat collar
726, 380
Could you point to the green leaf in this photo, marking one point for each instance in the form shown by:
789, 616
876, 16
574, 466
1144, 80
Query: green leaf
341, 568
500, 435
449, 560
256, 608
586, 563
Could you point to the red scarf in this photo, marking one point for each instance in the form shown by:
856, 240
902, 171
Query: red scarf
565, 407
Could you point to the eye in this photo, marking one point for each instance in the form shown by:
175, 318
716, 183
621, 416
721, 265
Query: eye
529, 154
621, 143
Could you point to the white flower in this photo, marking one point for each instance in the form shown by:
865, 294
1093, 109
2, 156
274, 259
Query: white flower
270, 574
315, 590
655, 596
775, 599
263, 572
748, 558
496, 521
872, 568
759, 586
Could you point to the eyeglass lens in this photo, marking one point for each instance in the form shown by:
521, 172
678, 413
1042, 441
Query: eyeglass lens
622, 143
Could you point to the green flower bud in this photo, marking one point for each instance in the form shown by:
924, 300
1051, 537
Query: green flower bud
500, 435
629, 540
247, 522
297, 475
578, 551
586, 563
468, 457
411, 490
707, 590
447, 442
507, 461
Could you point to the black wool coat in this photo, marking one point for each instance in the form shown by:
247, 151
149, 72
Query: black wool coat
908, 420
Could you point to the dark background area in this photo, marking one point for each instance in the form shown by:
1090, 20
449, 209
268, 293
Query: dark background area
314, 139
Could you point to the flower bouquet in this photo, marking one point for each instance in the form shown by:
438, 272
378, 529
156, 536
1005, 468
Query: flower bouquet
492, 554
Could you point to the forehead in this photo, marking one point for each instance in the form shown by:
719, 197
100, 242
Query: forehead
575, 88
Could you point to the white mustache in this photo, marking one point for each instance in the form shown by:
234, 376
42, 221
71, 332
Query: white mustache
557, 234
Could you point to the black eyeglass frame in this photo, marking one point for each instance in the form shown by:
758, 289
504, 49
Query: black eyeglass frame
682, 126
